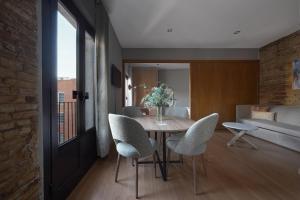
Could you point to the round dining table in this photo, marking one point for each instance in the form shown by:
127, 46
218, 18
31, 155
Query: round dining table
169, 124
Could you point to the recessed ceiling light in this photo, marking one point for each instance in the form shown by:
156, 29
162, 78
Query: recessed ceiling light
237, 32
169, 30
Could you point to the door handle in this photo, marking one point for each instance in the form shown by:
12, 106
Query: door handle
79, 95
86, 95
75, 94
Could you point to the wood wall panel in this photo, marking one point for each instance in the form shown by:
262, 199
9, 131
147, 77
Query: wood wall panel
140, 76
218, 86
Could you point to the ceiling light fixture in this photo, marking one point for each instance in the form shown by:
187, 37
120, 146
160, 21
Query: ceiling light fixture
237, 32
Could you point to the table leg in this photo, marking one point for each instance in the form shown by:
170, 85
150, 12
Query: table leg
159, 162
239, 135
236, 137
160, 166
164, 156
253, 145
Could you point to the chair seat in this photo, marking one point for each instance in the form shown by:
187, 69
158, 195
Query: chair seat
173, 140
129, 151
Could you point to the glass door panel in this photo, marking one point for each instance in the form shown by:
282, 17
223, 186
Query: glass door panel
66, 75
68, 79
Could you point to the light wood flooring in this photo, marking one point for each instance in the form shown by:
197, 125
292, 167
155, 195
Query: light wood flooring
238, 173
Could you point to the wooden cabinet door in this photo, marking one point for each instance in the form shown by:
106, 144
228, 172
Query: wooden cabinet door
142, 76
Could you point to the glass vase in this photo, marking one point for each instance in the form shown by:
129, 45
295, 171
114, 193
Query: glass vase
159, 115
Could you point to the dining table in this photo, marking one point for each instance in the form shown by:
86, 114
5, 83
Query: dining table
169, 125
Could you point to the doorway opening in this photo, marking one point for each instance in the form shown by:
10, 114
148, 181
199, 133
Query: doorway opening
140, 78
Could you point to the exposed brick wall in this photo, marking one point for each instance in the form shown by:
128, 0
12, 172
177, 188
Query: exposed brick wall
19, 74
276, 71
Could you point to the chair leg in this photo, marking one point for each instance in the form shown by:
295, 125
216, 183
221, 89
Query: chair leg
154, 162
117, 168
136, 178
168, 159
194, 175
204, 164
181, 158
132, 162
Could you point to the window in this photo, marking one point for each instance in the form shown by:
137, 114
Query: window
67, 60
61, 97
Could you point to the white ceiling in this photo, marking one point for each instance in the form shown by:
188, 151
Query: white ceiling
202, 23
164, 66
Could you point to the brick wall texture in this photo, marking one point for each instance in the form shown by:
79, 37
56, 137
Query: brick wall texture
19, 77
276, 74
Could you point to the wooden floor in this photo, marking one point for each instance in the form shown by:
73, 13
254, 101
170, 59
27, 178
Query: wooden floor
237, 172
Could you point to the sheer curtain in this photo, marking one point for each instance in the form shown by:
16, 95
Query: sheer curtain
102, 81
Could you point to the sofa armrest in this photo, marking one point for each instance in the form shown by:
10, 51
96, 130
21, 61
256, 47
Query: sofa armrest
242, 112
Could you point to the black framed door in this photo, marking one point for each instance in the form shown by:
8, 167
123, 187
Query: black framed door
69, 118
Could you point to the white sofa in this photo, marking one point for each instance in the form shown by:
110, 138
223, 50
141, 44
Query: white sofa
284, 131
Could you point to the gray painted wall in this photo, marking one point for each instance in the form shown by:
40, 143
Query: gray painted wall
88, 10
115, 57
189, 54
178, 80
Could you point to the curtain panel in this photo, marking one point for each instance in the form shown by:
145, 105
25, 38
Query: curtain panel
102, 81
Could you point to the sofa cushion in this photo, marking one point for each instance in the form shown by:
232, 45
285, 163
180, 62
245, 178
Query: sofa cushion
274, 126
260, 108
287, 114
263, 115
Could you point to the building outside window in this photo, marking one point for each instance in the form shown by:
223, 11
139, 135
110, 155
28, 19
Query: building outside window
61, 117
66, 108
61, 96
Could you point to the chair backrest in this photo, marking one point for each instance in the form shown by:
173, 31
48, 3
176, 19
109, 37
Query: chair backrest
128, 130
132, 111
181, 112
195, 139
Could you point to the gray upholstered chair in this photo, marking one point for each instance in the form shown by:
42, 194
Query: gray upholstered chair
132, 111
181, 112
194, 141
131, 142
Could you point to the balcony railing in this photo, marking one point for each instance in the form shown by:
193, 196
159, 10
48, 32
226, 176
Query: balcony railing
67, 116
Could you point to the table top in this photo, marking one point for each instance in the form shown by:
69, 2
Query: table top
170, 124
239, 126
